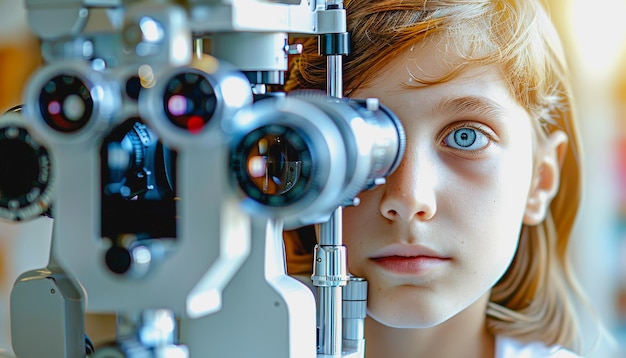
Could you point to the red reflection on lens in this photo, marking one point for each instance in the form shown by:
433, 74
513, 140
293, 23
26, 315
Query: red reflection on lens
195, 124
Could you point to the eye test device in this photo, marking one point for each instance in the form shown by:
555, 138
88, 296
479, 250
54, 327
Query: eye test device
122, 234
173, 171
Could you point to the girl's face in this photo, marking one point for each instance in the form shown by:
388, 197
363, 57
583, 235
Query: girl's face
445, 227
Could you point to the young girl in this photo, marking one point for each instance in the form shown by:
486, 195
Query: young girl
465, 246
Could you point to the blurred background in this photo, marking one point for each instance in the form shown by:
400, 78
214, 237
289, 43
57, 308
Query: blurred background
595, 36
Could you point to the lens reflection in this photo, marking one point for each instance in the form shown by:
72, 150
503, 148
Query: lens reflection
273, 165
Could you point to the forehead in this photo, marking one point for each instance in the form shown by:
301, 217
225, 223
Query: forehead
434, 60
428, 64
472, 88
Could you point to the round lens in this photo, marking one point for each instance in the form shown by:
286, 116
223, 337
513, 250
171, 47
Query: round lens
189, 101
24, 172
272, 165
65, 103
133, 87
118, 260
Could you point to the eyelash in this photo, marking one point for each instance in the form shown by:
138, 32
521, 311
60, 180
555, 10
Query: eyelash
482, 135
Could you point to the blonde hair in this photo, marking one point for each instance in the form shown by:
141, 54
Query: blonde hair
533, 301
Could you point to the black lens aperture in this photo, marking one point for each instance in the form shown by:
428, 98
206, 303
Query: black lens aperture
24, 174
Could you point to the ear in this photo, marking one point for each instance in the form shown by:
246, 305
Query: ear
549, 157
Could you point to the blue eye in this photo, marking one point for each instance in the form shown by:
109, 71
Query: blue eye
466, 138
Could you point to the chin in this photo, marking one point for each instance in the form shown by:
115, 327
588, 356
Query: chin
403, 317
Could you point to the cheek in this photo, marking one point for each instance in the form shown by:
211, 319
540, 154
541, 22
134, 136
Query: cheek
494, 254
498, 222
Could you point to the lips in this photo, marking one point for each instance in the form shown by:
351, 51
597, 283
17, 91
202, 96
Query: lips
409, 259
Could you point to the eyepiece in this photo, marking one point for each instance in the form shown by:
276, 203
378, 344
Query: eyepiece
189, 101
25, 172
65, 103
300, 157
272, 165
71, 101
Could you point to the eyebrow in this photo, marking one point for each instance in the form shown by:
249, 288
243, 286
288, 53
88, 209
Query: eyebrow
476, 105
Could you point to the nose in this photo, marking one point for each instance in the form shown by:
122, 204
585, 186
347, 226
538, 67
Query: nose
410, 191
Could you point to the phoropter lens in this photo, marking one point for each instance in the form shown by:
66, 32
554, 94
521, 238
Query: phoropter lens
65, 103
24, 174
189, 101
273, 165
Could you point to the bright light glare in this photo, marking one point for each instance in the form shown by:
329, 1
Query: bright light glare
256, 166
152, 30
142, 255
236, 91
599, 33
181, 51
208, 301
164, 323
